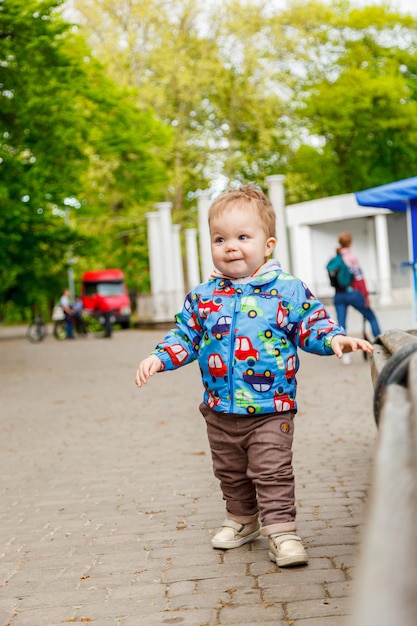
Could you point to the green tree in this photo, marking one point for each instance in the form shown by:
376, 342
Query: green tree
40, 154
70, 137
357, 106
209, 73
322, 92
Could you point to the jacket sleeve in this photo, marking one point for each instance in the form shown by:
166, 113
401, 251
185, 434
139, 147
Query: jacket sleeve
311, 327
180, 345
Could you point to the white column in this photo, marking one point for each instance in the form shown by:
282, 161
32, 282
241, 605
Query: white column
203, 203
178, 295
276, 194
383, 258
153, 309
165, 241
154, 260
302, 255
193, 271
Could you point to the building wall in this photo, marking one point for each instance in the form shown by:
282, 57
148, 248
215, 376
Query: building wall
397, 232
314, 230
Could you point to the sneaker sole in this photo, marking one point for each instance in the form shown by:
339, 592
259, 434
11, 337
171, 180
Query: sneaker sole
227, 545
288, 561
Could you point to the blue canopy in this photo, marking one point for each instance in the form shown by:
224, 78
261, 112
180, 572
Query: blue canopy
396, 196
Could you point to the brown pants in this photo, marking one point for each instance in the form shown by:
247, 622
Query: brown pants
252, 458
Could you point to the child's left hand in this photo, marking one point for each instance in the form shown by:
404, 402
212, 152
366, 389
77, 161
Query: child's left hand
341, 344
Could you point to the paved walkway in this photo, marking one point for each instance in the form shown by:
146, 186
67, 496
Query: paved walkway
108, 500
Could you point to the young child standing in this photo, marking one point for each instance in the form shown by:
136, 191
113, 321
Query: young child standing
244, 326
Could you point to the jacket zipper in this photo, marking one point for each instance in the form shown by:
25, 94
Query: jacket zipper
236, 310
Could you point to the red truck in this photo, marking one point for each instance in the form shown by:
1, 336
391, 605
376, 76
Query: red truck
109, 284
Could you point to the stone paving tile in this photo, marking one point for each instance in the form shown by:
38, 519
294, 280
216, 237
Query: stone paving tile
287, 592
330, 620
200, 601
252, 613
109, 502
301, 576
227, 583
186, 617
318, 608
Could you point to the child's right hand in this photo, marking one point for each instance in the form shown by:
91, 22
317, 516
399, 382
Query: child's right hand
148, 367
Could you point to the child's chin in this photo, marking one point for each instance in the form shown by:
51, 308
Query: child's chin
235, 275
234, 272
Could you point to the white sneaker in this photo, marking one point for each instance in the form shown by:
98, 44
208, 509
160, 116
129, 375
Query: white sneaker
346, 359
286, 550
231, 534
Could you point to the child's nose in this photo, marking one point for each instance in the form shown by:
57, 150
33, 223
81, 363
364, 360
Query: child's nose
231, 244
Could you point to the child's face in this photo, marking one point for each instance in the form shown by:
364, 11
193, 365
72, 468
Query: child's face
239, 244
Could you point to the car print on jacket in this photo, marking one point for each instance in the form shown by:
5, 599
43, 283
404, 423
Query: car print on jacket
265, 294
249, 305
194, 322
259, 382
244, 351
224, 288
290, 368
222, 327
177, 353
246, 335
283, 313
216, 367
245, 400
205, 307
270, 346
283, 402
213, 399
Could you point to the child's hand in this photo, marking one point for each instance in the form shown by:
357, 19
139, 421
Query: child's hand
341, 344
148, 367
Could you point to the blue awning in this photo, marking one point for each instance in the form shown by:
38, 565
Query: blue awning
394, 196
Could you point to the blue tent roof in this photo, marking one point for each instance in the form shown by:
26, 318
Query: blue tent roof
394, 196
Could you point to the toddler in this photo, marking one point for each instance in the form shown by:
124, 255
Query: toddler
244, 325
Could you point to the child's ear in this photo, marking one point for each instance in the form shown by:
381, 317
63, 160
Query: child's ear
270, 245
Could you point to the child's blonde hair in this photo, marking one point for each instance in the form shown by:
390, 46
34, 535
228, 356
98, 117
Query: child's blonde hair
247, 195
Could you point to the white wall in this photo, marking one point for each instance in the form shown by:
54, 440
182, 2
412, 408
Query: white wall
314, 230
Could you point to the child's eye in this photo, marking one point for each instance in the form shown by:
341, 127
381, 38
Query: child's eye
243, 237
219, 240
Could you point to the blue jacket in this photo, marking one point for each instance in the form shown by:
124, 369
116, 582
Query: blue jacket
245, 335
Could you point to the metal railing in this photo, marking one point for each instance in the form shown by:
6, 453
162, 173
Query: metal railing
387, 578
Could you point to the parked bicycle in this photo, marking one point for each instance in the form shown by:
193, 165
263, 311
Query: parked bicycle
92, 323
37, 329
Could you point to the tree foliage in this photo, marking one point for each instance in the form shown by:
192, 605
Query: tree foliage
358, 104
208, 72
71, 137
171, 97
322, 92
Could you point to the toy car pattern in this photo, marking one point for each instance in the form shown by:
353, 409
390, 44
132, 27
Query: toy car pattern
249, 305
283, 312
245, 399
259, 382
244, 351
266, 294
205, 307
228, 325
283, 402
222, 326
225, 288
269, 344
217, 367
177, 353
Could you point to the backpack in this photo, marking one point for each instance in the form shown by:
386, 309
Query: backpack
340, 275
